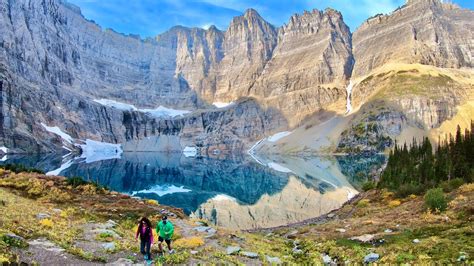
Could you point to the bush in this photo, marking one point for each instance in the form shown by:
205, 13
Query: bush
76, 181
363, 203
18, 168
435, 200
192, 242
451, 185
369, 185
394, 203
406, 190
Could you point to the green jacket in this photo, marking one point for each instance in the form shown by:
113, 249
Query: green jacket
165, 230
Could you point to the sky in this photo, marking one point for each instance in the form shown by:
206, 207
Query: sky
149, 18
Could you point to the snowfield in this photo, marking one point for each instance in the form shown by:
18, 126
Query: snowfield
158, 112
162, 190
276, 137
63, 167
56, 130
222, 104
4, 149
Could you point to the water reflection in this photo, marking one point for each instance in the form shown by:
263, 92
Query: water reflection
238, 192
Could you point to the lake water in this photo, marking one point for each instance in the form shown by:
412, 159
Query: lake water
241, 192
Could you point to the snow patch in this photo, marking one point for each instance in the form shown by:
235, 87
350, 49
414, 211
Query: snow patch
161, 111
223, 197
276, 137
349, 96
190, 151
56, 130
94, 151
4, 149
63, 167
278, 167
116, 105
222, 104
162, 190
4, 158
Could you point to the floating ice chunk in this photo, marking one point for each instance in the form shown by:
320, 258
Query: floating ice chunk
56, 130
222, 104
4, 149
94, 151
162, 190
279, 168
63, 167
276, 137
190, 151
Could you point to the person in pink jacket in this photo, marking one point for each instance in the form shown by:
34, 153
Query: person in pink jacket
145, 232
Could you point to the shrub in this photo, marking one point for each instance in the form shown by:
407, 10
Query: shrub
369, 185
452, 184
394, 203
192, 242
17, 168
408, 189
435, 200
46, 223
76, 181
363, 203
13, 241
152, 202
467, 188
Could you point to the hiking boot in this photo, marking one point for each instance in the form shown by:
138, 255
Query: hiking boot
146, 257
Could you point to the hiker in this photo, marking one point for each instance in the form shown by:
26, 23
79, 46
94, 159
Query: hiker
145, 231
165, 231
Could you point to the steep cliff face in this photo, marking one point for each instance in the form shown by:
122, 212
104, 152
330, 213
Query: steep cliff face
310, 65
422, 31
248, 45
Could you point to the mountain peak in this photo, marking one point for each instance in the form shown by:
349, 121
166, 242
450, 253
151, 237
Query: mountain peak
251, 13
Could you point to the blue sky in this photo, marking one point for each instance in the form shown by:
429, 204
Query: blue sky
151, 17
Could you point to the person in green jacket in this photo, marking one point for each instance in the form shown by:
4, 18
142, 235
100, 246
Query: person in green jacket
165, 230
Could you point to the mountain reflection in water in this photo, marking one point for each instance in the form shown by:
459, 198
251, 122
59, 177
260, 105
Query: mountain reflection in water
237, 192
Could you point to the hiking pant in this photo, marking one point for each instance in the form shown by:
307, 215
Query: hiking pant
145, 248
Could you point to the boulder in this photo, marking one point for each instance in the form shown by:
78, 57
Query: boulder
231, 250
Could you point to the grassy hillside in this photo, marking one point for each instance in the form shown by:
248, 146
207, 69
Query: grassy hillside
49, 214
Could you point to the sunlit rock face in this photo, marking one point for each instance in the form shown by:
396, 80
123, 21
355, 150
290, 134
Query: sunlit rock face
422, 31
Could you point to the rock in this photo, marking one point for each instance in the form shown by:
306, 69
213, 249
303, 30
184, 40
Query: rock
41, 216
416, 241
122, 261
202, 229
296, 250
46, 244
327, 259
103, 230
341, 230
248, 254
363, 238
273, 260
194, 252
372, 257
231, 250
199, 223
57, 210
462, 257
108, 246
331, 215
388, 231
292, 234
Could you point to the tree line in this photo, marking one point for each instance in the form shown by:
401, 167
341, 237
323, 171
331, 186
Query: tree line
416, 168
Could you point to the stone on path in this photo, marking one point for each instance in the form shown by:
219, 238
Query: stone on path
363, 238
273, 260
416, 241
194, 252
121, 262
46, 244
249, 254
232, 250
341, 230
41, 216
372, 257
108, 246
